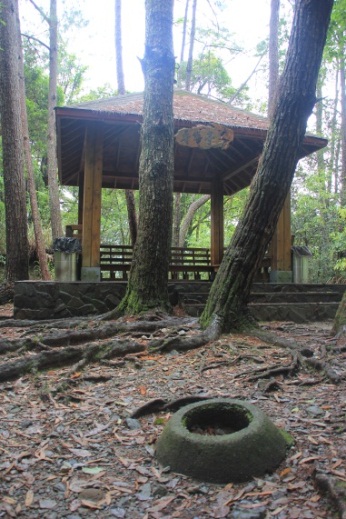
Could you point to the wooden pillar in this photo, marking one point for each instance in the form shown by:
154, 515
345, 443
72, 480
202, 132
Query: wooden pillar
92, 203
280, 249
80, 198
217, 223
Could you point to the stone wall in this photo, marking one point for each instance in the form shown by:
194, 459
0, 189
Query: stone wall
39, 300
55, 300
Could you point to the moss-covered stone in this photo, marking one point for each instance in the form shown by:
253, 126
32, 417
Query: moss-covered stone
251, 446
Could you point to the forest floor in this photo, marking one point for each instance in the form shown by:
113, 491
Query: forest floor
78, 453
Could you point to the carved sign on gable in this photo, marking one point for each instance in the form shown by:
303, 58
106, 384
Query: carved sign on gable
205, 137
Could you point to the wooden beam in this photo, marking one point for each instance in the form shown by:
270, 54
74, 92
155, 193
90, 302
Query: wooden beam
92, 196
217, 222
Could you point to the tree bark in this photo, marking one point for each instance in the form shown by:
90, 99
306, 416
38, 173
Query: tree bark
12, 141
227, 303
147, 286
35, 213
52, 165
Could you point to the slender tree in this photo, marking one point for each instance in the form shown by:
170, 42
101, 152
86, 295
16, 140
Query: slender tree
52, 164
273, 54
12, 142
191, 47
36, 219
147, 286
129, 195
226, 307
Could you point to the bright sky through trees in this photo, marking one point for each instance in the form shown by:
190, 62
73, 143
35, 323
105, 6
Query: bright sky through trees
94, 44
249, 20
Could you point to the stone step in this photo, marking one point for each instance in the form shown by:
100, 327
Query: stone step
296, 297
296, 312
272, 297
296, 288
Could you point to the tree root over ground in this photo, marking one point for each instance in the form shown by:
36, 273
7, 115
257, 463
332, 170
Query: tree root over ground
51, 344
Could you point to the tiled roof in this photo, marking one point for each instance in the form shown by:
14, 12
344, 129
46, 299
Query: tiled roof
186, 107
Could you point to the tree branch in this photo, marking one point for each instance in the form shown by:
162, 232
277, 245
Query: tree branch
36, 39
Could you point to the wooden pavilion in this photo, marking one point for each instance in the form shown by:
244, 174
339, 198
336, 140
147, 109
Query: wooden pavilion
99, 147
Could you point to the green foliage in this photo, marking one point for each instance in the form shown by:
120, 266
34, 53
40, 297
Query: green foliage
209, 76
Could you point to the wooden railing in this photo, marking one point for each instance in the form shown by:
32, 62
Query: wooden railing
185, 263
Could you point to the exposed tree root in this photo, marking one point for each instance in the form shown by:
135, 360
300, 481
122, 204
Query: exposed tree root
64, 342
71, 354
335, 489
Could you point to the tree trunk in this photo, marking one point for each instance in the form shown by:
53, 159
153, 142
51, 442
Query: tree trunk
183, 44
39, 241
273, 54
227, 303
131, 215
119, 49
12, 141
129, 195
52, 166
185, 225
176, 219
192, 42
343, 131
147, 286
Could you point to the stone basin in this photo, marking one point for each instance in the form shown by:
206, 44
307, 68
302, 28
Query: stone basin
221, 441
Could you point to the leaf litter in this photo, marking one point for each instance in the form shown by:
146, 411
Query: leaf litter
82, 451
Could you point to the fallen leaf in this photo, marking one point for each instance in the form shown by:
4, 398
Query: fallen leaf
82, 453
161, 504
284, 472
29, 498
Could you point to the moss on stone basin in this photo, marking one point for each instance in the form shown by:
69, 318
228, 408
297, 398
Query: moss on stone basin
221, 441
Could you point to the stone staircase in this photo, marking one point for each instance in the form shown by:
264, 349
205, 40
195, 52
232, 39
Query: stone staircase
272, 302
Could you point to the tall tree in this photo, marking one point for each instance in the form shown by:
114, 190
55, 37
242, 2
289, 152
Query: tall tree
191, 47
129, 195
52, 164
226, 307
147, 286
119, 48
273, 53
12, 141
39, 241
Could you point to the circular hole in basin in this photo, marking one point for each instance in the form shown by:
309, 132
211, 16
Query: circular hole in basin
216, 420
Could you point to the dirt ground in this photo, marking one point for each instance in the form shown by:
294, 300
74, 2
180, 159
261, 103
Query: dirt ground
78, 453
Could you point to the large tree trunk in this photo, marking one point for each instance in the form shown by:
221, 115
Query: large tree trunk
227, 302
35, 213
13, 166
147, 286
52, 166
